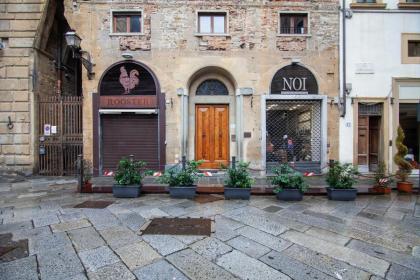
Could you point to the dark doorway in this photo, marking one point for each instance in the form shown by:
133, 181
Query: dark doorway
410, 125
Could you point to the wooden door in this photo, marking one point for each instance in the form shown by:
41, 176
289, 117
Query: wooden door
363, 140
212, 135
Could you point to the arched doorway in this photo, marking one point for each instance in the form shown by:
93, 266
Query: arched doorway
295, 120
212, 118
130, 115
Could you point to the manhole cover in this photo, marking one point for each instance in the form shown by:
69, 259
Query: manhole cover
12, 250
177, 226
206, 198
99, 204
272, 209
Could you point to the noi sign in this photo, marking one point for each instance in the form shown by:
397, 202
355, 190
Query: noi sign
294, 79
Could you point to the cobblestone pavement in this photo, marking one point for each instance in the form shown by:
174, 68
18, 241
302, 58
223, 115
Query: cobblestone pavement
374, 237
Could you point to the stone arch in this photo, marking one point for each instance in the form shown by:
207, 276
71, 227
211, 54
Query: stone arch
294, 78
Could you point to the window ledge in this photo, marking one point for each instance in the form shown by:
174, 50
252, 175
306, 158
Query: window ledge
127, 34
370, 6
212, 34
405, 5
293, 35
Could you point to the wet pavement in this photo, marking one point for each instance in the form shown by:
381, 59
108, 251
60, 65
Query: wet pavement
374, 237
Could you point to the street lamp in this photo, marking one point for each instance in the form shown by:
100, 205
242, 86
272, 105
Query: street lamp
73, 41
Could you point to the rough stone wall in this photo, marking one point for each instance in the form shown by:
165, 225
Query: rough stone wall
18, 23
251, 52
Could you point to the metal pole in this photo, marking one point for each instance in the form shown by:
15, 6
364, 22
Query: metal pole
183, 162
79, 172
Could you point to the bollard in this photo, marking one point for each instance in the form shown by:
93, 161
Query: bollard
183, 162
233, 162
80, 168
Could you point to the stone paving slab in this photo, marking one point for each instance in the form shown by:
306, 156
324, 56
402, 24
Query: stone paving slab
326, 264
263, 238
159, 270
97, 258
22, 269
43, 243
249, 247
137, 255
197, 267
211, 248
117, 237
164, 244
353, 257
116, 271
293, 268
249, 268
398, 272
86, 239
59, 264
70, 225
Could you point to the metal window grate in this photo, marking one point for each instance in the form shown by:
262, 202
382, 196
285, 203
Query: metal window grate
370, 109
294, 133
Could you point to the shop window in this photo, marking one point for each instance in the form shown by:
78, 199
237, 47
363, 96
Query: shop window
367, 4
410, 45
212, 23
409, 4
212, 87
127, 22
408, 122
295, 24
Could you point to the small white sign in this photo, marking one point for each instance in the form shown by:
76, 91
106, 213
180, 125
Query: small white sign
348, 124
365, 68
47, 129
53, 129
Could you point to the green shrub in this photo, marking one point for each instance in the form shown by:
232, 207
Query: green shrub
129, 172
287, 178
181, 177
239, 176
341, 176
382, 178
404, 167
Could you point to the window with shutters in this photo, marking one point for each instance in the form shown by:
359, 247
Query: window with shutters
127, 22
293, 23
213, 23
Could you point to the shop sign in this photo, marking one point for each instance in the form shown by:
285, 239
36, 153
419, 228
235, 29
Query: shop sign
128, 102
294, 79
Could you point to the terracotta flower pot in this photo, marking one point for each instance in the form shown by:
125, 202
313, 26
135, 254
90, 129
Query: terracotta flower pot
381, 190
87, 187
406, 187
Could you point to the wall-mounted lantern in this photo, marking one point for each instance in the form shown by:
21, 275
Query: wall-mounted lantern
73, 41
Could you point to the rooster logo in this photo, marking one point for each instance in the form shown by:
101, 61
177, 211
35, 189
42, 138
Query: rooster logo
129, 81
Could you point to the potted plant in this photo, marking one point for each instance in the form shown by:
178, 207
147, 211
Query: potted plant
404, 167
87, 176
239, 181
128, 178
340, 179
290, 184
382, 180
181, 181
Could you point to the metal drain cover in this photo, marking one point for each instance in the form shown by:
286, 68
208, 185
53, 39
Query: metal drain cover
178, 226
98, 204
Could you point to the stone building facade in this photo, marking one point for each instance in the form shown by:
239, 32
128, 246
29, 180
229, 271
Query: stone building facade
248, 59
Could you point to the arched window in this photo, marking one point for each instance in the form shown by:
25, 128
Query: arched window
294, 79
212, 87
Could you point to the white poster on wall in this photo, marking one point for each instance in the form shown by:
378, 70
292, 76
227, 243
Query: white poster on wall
47, 129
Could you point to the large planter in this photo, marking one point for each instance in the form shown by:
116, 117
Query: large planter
406, 187
182, 191
237, 193
381, 190
290, 195
341, 194
126, 191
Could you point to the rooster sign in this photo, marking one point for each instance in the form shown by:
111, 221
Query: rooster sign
129, 82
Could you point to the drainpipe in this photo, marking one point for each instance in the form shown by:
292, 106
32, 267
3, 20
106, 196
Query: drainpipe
343, 64
238, 124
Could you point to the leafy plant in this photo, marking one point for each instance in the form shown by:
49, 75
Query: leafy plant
87, 170
287, 178
129, 172
404, 167
341, 176
182, 177
382, 179
238, 176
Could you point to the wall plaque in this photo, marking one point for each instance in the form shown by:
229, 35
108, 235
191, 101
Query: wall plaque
294, 79
128, 102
